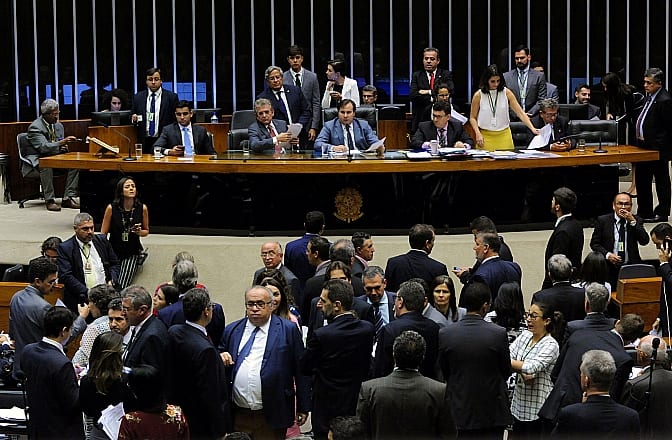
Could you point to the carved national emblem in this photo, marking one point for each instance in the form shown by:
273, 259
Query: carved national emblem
348, 203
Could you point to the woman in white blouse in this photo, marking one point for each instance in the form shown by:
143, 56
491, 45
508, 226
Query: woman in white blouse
339, 86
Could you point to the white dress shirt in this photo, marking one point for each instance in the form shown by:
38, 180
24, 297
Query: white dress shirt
247, 383
94, 259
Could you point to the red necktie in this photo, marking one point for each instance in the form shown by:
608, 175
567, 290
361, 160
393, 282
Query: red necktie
431, 81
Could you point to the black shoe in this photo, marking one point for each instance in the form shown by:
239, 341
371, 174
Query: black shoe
70, 203
656, 219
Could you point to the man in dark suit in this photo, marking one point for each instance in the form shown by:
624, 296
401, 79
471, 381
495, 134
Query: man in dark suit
548, 115
51, 382
562, 296
346, 133
582, 95
422, 413
203, 391
441, 128
296, 251
267, 133
271, 256
380, 299
415, 263
149, 344
262, 353
653, 409
483, 224
617, 235
288, 102
85, 260
474, 359
153, 109
309, 85
598, 416
567, 236
423, 83
528, 85
337, 356
182, 138
653, 130
409, 303
364, 250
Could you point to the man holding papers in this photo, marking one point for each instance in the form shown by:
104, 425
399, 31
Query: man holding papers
347, 133
553, 127
269, 133
448, 132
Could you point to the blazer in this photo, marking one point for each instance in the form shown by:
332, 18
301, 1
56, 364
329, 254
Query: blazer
423, 413
474, 359
390, 305
166, 112
350, 91
71, 270
565, 298
654, 420
657, 123
297, 261
260, 138
362, 309
415, 263
332, 134
602, 240
594, 111
202, 392
171, 135
495, 272
53, 393
419, 81
38, 144
313, 289
338, 357
566, 239
311, 91
428, 329
427, 131
536, 90
299, 108
173, 314
283, 387
552, 91
600, 417
559, 128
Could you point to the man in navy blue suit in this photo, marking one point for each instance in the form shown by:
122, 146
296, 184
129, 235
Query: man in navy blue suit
183, 138
346, 133
203, 392
153, 109
268, 133
492, 270
262, 353
296, 251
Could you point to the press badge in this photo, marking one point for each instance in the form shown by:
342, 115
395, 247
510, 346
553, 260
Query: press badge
493, 122
150, 117
88, 268
621, 246
124, 236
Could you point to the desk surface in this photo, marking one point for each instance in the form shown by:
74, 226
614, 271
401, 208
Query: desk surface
236, 162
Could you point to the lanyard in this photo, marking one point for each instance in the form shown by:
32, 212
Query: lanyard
522, 80
493, 104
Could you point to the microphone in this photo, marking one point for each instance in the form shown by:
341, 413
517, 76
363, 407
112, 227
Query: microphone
655, 344
129, 158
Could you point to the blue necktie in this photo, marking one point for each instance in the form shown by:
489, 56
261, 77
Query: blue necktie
152, 122
245, 352
188, 148
378, 317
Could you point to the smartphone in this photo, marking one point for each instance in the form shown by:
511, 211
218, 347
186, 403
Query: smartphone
456, 267
667, 244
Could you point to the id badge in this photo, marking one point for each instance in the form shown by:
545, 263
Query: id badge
621, 246
493, 122
124, 236
150, 117
88, 268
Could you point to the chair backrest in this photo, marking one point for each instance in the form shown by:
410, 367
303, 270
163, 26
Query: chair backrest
636, 271
242, 119
595, 132
520, 134
236, 138
22, 143
389, 112
369, 114
14, 274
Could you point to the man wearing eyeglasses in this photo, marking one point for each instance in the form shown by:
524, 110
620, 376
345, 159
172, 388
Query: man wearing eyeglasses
617, 236
548, 115
447, 132
262, 353
182, 138
152, 109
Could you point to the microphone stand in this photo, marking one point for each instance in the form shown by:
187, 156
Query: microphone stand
129, 158
599, 148
654, 345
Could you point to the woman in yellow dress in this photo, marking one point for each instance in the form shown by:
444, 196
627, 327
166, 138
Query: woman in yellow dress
490, 112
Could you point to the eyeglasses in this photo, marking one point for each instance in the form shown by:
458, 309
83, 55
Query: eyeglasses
268, 254
550, 115
52, 282
443, 95
257, 304
274, 78
623, 204
531, 316
182, 113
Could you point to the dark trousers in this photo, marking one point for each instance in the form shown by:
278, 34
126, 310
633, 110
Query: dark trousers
254, 423
646, 172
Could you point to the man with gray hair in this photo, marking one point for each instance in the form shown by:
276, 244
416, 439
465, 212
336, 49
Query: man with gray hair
598, 415
271, 255
288, 102
562, 296
268, 133
46, 138
548, 115
409, 303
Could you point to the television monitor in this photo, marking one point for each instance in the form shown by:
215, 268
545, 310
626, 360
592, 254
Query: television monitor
107, 119
573, 111
203, 115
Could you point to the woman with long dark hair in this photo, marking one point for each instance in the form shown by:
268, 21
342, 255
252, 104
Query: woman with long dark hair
126, 219
442, 297
339, 86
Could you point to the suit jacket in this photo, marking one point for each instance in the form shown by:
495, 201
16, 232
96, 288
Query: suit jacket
474, 359
423, 413
420, 81
40, 145
566, 239
536, 90
504, 254
565, 298
173, 314
559, 128
415, 263
427, 131
311, 91
171, 135
665, 271
166, 112
552, 91
313, 289
292, 280
657, 125
53, 393
332, 134
653, 417
350, 91
283, 387
428, 329
338, 357
297, 261
362, 309
495, 272
71, 270
594, 111
260, 138
299, 107
600, 417
203, 392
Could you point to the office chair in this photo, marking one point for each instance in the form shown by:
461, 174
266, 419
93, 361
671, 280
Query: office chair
240, 120
595, 132
27, 170
14, 274
636, 271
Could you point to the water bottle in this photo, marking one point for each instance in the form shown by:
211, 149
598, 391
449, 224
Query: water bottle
214, 119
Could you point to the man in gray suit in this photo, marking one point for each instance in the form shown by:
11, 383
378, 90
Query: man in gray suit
307, 82
46, 138
422, 413
527, 84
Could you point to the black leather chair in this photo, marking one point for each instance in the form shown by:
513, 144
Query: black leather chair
595, 132
636, 271
521, 134
389, 112
369, 114
27, 170
14, 274
240, 120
